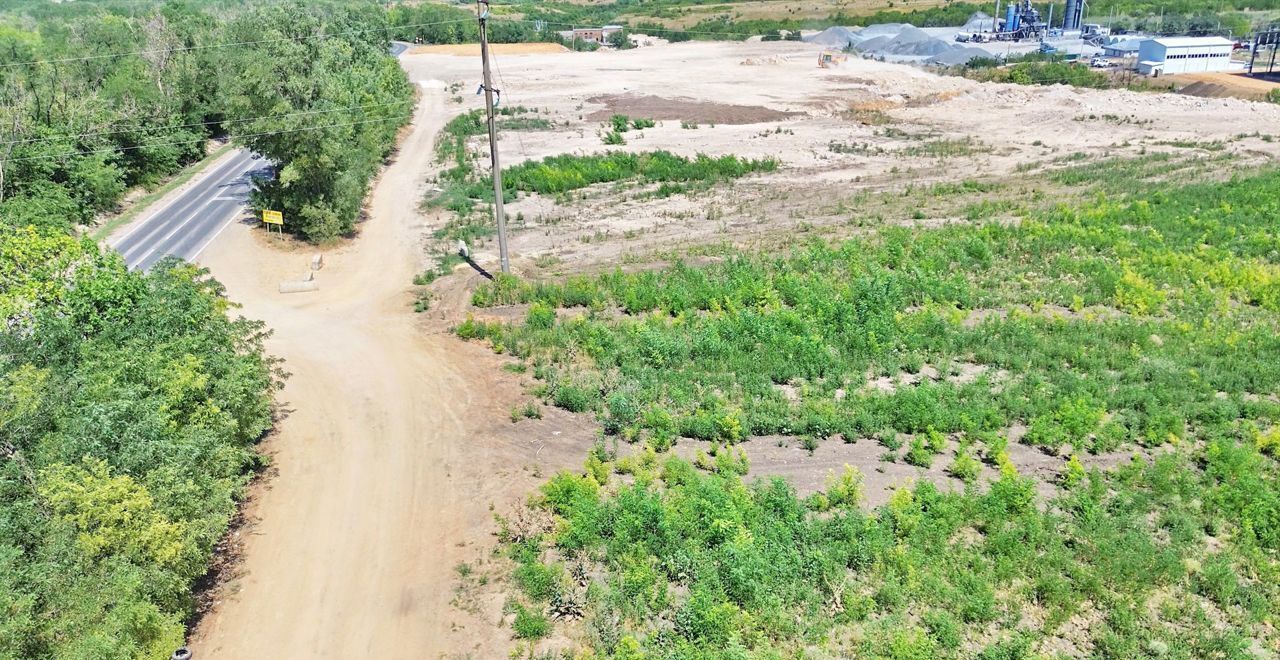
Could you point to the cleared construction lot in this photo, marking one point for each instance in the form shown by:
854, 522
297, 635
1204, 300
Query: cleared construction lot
865, 149
839, 134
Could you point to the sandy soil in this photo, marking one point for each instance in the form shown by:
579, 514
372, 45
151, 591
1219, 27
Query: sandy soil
1222, 84
394, 444
839, 133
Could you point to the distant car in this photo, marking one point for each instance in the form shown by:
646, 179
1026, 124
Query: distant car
1100, 63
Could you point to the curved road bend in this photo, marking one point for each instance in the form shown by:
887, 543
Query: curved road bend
185, 225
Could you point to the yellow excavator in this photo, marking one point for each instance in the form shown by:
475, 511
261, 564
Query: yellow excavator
831, 58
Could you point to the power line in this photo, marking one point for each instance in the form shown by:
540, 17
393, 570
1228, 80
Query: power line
182, 49
87, 152
139, 129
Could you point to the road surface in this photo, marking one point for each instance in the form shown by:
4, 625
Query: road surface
183, 226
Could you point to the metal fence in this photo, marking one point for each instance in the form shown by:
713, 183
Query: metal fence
1262, 59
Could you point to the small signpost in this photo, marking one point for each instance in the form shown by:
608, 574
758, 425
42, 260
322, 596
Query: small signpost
273, 218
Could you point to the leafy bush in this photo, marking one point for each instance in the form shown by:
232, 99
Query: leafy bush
130, 405
530, 624
704, 562
965, 467
845, 490
1043, 73
572, 398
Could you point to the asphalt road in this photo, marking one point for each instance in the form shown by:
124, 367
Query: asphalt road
184, 226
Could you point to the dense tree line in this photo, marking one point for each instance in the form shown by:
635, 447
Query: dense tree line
79, 124
94, 101
129, 407
326, 109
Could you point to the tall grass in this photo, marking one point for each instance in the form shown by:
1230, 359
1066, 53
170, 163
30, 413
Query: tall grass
1143, 322
1150, 322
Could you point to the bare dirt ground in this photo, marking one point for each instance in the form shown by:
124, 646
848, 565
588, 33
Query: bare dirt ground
394, 444
841, 134
1222, 85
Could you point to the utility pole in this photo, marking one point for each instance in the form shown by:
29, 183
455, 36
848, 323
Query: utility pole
482, 11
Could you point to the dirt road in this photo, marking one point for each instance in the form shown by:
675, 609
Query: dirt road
381, 478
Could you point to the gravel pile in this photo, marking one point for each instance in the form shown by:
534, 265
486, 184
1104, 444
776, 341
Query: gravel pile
834, 37
903, 42
914, 42
958, 55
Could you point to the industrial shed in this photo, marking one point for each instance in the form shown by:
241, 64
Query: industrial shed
1122, 48
1171, 55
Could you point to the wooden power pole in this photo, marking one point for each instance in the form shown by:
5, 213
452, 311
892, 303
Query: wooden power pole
482, 9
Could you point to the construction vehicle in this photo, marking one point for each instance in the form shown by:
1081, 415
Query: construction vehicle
828, 59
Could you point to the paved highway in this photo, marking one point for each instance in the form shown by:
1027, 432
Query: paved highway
191, 220
185, 225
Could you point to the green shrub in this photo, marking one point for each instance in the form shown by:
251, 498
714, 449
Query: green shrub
845, 490
538, 581
919, 454
530, 624
965, 467
540, 316
572, 398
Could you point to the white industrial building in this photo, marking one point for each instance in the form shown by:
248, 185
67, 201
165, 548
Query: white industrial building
1122, 48
1169, 55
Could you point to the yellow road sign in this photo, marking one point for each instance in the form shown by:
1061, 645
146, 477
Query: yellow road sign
272, 217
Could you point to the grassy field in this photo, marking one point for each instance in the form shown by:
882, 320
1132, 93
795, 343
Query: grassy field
1146, 321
